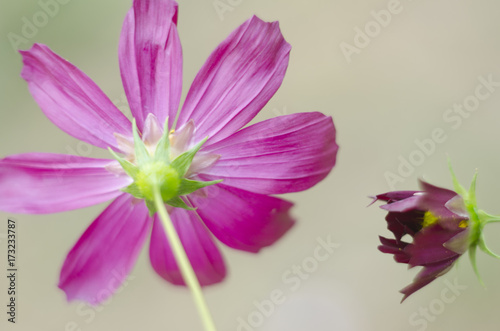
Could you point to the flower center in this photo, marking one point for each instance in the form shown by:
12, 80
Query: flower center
162, 161
429, 219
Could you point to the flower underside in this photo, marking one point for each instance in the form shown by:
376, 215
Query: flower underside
478, 221
161, 160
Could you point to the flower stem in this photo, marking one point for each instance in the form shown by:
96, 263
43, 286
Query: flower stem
183, 262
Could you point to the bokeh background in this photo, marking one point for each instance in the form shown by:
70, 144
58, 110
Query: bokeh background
394, 90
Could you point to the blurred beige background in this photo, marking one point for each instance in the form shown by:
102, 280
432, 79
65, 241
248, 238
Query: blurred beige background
395, 90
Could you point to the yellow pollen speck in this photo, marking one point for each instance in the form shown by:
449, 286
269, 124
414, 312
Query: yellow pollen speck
462, 224
172, 131
429, 219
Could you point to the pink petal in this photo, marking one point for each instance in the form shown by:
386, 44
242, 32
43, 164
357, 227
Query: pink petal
151, 60
281, 155
106, 252
428, 274
242, 219
394, 196
71, 100
435, 200
237, 80
203, 254
428, 245
404, 205
395, 247
39, 183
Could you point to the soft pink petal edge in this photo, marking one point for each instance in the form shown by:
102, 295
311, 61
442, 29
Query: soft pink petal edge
237, 80
150, 56
105, 254
71, 100
242, 219
39, 183
280, 155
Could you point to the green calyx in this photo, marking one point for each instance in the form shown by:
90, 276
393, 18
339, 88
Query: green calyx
478, 219
157, 171
161, 174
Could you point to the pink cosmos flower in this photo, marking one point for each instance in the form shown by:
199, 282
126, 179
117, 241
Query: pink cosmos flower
286, 154
442, 225
438, 222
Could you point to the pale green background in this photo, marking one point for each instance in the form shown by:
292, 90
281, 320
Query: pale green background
395, 91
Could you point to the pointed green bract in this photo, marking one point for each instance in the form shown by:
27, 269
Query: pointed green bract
472, 191
189, 186
151, 207
456, 185
130, 168
472, 256
134, 190
162, 151
183, 161
485, 248
141, 153
179, 203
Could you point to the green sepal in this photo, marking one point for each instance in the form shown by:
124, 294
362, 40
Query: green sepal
133, 189
472, 256
141, 153
484, 248
162, 151
487, 218
478, 220
179, 203
459, 189
151, 207
472, 191
128, 166
183, 161
469, 198
189, 186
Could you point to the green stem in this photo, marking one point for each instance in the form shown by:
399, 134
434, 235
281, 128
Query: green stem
183, 262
